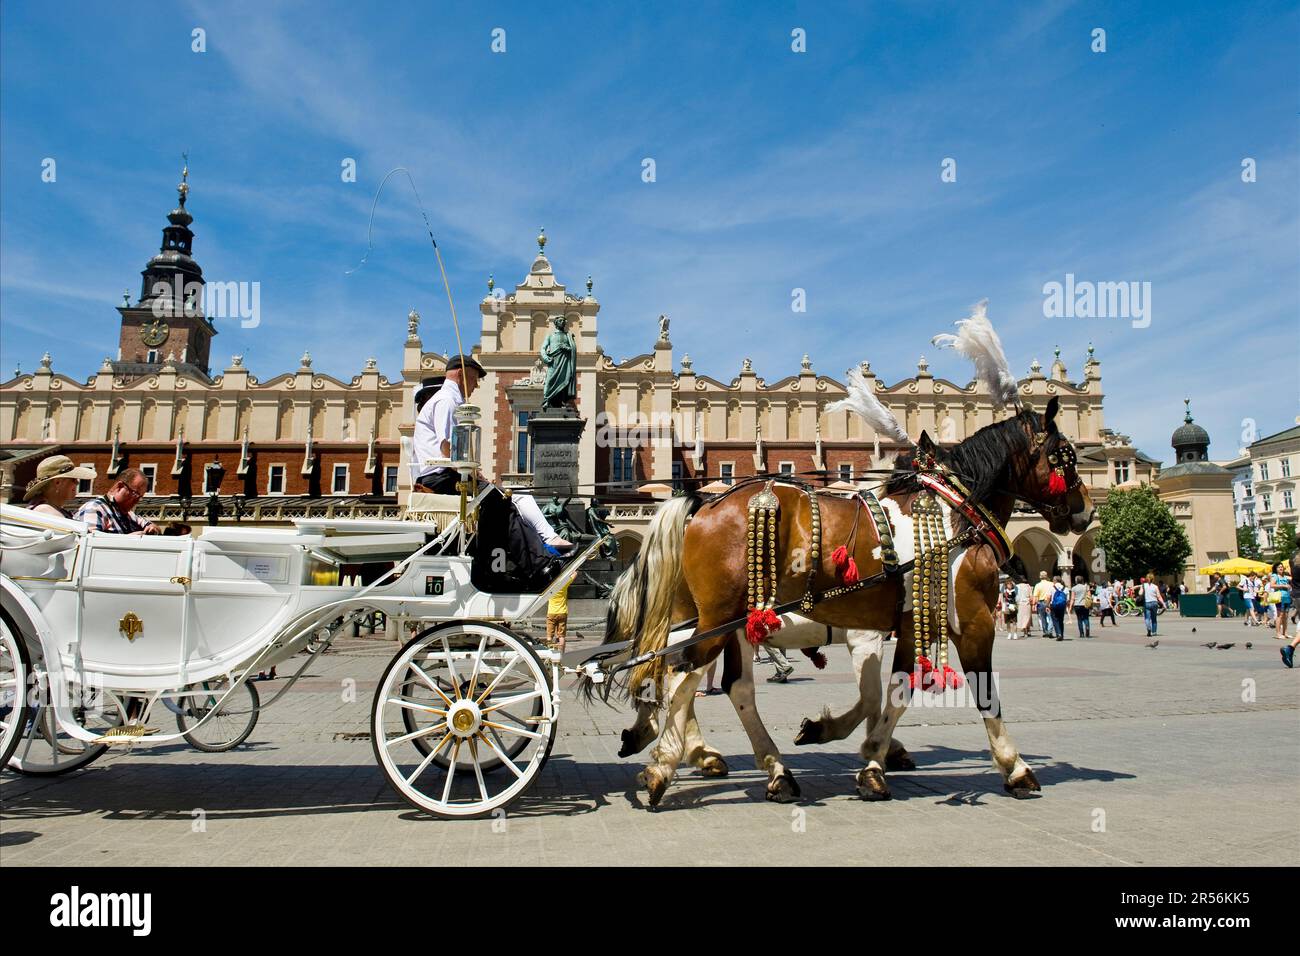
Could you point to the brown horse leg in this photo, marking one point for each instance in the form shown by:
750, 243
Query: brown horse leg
781, 785
975, 648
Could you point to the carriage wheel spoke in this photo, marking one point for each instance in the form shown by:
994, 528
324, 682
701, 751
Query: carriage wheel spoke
451, 772
496, 680
451, 667
515, 699
478, 771
424, 732
427, 760
501, 753
515, 730
478, 661
429, 682
416, 705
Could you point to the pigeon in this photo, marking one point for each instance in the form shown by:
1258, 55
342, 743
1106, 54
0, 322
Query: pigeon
1154, 644
1224, 647
1249, 645
1193, 630
1211, 644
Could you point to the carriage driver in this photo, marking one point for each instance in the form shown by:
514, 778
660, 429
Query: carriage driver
530, 542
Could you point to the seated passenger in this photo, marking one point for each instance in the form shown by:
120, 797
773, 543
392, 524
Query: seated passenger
55, 484
112, 512
516, 522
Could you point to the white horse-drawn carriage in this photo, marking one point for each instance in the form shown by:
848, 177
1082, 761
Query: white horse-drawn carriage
99, 630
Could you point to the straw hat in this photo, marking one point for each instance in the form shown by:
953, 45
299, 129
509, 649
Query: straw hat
56, 466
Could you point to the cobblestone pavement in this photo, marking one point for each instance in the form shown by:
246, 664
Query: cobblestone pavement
1177, 755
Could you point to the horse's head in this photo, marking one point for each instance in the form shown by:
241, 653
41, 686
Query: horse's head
1048, 478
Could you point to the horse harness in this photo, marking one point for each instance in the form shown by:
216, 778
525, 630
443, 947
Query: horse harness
764, 613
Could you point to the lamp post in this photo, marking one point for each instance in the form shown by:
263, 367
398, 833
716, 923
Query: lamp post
213, 474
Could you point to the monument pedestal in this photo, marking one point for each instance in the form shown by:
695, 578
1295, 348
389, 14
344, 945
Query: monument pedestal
554, 435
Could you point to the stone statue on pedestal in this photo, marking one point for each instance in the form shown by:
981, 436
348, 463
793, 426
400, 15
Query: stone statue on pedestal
560, 356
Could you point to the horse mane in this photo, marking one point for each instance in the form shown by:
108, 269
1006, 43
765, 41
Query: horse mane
980, 461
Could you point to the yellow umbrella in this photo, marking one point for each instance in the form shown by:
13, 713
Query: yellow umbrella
1235, 566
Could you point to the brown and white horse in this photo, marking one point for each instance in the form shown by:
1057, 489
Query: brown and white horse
694, 565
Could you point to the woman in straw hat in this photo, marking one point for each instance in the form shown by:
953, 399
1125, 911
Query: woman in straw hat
55, 484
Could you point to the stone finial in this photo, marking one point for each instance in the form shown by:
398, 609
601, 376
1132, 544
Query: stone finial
747, 368
412, 325
541, 241
687, 365
46, 361
922, 366
171, 361
663, 328
371, 364
236, 361
18, 369
1036, 367
106, 365
126, 297
806, 363
588, 287
1090, 352
492, 282
1187, 410
865, 367
305, 361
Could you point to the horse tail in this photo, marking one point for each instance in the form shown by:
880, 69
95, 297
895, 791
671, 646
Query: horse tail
641, 604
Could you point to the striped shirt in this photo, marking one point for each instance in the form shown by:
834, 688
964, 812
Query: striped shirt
102, 514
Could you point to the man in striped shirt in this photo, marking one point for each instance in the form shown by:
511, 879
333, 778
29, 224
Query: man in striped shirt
111, 512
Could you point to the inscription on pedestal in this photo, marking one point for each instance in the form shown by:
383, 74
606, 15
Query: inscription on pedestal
555, 453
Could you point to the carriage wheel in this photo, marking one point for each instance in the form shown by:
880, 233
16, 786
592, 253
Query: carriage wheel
45, 750
510, 745
15, 666
228, 727
471, 723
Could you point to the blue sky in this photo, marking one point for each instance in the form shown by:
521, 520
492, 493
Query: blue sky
775, 170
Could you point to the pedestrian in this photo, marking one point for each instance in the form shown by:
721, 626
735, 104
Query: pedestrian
1080, 600
1175, 594
1007, 606
1024, 607
783, 666
710, 689
1152, 600
1106, 604
557, 615
1059, 601
1249, 591
1042, 599
1221, 598
1280, 583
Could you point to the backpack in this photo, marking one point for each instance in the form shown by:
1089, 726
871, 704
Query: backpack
1087, 598
1058, 598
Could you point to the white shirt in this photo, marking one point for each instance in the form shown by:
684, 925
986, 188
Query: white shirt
433, 427
1104, 597
1151, 593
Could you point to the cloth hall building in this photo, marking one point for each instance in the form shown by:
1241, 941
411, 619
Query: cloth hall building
305, 443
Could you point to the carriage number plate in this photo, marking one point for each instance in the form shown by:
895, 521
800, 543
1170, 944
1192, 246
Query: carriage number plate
433, 584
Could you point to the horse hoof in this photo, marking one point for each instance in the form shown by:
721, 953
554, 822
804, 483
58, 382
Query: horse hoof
655, 783
782, 788
1024, 787
712, 766
872, 786
899, 759
810, 732
630, 744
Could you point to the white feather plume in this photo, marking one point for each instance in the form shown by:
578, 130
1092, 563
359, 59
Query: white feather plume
862, 401
976, 340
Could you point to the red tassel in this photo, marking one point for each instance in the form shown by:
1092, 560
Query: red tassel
840, 556
949, 678
816, 656
851, 572
1056, 484
921, 673
754, 630
771, 621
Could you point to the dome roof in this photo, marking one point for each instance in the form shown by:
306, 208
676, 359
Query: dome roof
1190, 440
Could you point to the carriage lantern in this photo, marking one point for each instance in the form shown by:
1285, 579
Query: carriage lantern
466, 436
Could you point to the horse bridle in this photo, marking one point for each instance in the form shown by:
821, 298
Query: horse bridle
1062, 459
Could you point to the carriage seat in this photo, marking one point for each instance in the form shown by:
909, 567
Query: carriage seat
426, 506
